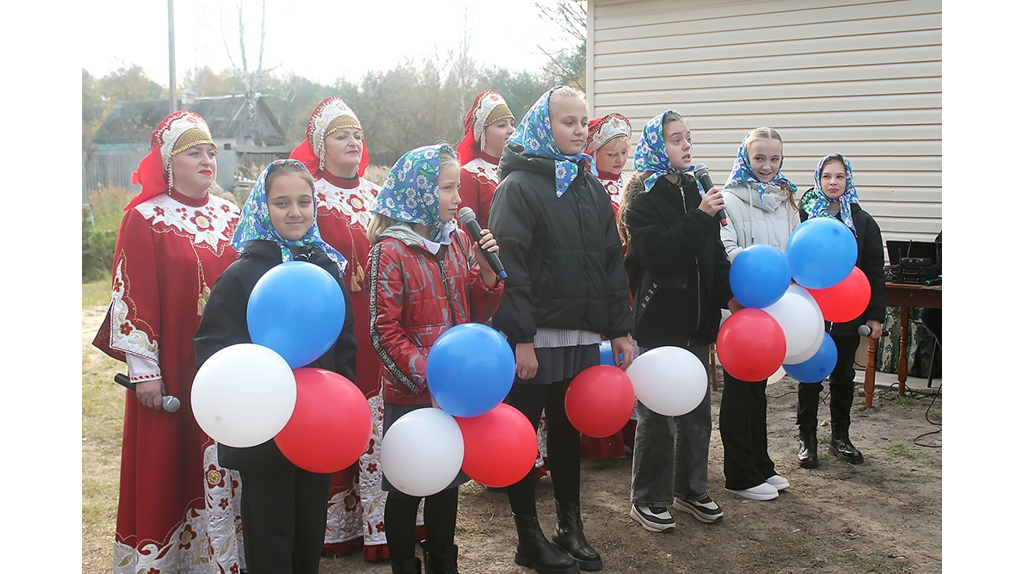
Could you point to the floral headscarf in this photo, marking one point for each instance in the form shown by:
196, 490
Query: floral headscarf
534, 135
650, 152
255, 223
743, 173
409, 192
173, 135
816, 202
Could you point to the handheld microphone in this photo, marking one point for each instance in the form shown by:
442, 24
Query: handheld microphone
700, 171
864, 331
468, 218
169, 403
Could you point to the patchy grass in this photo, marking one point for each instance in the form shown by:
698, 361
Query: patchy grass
96, 293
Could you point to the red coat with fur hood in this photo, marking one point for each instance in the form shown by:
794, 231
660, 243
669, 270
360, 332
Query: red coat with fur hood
410, 306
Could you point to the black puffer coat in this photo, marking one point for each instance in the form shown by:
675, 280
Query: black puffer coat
562, 254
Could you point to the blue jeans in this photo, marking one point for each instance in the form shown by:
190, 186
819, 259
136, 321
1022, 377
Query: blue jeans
670, 454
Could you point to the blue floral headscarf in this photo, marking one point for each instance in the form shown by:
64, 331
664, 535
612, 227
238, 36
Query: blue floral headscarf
650, 152
255, 223
743, 173
409, 193
816, 204
534, 135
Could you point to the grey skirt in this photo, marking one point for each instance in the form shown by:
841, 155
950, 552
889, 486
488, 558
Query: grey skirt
391, 414
556, 364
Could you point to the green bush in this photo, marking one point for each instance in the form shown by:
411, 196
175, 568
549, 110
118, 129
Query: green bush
100, 219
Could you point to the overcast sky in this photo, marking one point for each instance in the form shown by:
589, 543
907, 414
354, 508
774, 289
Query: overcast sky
320, 40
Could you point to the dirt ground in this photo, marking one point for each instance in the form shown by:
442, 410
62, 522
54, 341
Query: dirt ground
882, 516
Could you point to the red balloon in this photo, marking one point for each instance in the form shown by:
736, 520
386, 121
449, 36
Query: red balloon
751, 345
846, 300
599, 401
500, 446
330, 426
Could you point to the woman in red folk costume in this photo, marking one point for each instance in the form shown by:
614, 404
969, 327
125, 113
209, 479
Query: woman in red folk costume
178, 509
335, 153
608, 144
488, 124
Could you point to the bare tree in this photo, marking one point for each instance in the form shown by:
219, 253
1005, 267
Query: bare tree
569, 65
252, 80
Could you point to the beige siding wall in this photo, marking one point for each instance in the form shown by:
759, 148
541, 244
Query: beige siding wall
859, 77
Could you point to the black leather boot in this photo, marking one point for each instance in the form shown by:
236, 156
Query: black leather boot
534, 551
569, 535
807, 455
410, 566
444, 562
842, 447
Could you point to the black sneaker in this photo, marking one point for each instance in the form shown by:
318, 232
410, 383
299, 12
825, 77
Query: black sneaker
653, 518
702, 508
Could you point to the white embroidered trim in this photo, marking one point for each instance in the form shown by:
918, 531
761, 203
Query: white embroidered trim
482, 169
355, 204
209, 226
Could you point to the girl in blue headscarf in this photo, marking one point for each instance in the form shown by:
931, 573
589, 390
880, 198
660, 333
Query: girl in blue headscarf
566, 287
834, 195
760, 209
679, 277
284, 508
424, 280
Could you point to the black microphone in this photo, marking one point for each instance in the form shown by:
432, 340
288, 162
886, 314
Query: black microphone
169, 403
700, 171
468, 218
864, 331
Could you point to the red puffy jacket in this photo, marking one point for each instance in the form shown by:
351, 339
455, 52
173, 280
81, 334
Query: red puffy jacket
410, 307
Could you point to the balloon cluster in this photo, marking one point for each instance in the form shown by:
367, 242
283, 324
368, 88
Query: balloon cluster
249, 393
470, 370
670, 381
787, 297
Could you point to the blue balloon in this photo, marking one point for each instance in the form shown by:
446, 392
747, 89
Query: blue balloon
819, 366
821, 252
470, 370
759, 276
606, 353
296, 309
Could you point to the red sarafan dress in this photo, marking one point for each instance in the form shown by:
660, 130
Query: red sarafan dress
178, 508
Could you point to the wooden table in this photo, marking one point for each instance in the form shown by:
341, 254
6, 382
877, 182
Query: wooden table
904, 296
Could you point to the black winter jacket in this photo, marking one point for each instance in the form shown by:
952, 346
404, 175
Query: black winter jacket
870, 260
676, 250
562, 254
224, 323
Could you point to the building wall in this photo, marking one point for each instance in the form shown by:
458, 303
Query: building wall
859, 77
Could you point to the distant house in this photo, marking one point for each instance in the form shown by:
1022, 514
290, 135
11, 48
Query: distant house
860, 77
129, 126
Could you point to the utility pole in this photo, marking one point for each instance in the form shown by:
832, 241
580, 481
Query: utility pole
170, 41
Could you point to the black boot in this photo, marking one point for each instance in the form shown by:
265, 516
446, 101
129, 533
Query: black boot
807, 455
842, 447
409, 566
534, 550
569, 535
443, 562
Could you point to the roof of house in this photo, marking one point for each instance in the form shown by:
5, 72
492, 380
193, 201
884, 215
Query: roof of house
134, 122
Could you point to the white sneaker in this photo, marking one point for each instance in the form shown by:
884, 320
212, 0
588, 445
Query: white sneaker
780, 483
763, 491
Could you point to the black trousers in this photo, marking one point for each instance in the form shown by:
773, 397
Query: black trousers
439, 514
284, 518
840, 387
743, 424
563, 445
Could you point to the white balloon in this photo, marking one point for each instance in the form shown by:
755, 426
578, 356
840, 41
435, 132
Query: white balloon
669, 380
801, 323
801, 357
243, 395
421, 452
777, 376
